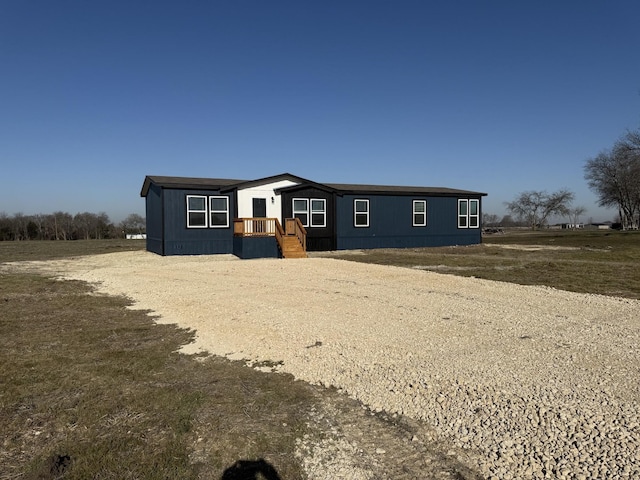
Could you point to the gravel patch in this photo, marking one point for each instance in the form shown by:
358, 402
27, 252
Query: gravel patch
532, 382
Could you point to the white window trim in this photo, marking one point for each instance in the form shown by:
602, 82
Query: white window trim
474, 216
413, 217
469, 217
306, 211
205, 211
356, 213
212, 211
309, 211
465, 215
317, 212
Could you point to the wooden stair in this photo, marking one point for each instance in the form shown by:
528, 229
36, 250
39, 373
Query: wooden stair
291, 240
292, 248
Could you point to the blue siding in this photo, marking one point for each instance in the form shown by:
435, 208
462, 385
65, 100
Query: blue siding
154, 220
180, 240
391, 223
255, 247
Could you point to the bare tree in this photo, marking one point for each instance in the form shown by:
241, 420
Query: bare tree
19, 226
82, 225
615, 177
101, 226
89, 226
508, 221
56, 226
490, 219
6, 227
133, 223
62, 225
574, 216
535, 207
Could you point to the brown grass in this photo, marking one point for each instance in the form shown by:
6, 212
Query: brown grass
48, 250
91, 389
587, 262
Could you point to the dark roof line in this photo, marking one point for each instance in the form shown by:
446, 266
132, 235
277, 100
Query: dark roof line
225, 184
391, 189
273, 178
189, 183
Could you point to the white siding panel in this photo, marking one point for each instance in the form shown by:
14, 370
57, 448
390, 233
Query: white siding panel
274, 208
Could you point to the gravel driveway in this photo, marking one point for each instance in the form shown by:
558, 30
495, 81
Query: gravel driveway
532, 382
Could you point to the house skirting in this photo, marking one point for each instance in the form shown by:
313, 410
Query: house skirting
255, 247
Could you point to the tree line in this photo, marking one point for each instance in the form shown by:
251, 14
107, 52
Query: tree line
534, 208
614, 175
64, 226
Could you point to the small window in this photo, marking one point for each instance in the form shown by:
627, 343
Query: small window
218, 212
468, 213
463, 208
419, 213
301, 210
474, 214
196, 211
318, 212
361, 213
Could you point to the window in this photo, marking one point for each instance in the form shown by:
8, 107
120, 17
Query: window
463, 213
361, 213
203, 211
301, 210
314, 217
419, 213
468, 213
318, 212
474, 214
218, 212
196, 211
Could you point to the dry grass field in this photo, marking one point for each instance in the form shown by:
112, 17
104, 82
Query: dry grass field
92, 389
603, 262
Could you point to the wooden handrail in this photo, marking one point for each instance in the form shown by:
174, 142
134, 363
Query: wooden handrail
255, 227
301, 233
279, 234
270, 227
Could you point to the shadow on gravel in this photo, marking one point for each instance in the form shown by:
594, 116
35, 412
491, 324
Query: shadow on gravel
251, 470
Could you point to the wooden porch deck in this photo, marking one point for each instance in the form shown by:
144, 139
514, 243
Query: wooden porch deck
292, 239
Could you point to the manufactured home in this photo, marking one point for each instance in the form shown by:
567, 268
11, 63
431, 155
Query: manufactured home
286, 216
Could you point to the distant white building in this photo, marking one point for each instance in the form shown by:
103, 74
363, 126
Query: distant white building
601, 226
136, 236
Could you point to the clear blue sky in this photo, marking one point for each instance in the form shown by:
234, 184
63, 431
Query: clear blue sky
492, 96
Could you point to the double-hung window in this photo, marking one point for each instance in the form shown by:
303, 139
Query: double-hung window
361, 212
468, 213
218, 212
196, 211
419, 213
301, 210
312, 212
474, 213
207, 212
318, 212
